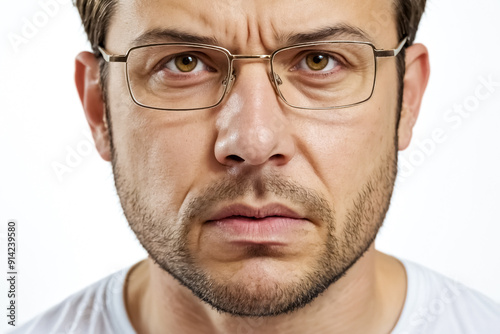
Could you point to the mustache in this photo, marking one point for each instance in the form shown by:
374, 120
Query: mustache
232, 188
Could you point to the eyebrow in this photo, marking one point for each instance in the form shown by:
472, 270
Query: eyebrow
171, 35
339, 31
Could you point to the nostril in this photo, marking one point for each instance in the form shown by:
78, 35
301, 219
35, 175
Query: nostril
278, 157
235, 158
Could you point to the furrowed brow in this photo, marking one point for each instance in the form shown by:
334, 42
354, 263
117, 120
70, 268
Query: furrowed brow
337, 32
171, 35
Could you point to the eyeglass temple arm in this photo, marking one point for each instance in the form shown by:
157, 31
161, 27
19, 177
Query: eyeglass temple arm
392, 53
112, 58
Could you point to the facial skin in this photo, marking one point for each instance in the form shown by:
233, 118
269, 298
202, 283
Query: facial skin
176, 171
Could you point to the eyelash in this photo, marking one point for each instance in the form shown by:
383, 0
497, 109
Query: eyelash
302, 58
162, 65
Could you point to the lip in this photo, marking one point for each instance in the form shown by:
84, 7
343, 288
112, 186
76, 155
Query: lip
242, 225
244, 211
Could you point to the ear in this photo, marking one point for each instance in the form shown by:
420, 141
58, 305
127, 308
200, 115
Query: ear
415, 82
87, 79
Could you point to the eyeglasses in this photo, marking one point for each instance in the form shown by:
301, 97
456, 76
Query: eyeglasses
190, 76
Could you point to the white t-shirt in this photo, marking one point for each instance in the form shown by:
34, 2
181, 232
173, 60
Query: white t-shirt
434, 305
438, 305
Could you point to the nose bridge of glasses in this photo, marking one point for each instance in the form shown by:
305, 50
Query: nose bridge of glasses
248, 57
273, 77
234, 57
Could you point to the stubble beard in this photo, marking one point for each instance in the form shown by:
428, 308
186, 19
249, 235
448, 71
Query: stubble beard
164, 235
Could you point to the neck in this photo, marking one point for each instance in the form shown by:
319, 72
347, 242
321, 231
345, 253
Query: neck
369, 298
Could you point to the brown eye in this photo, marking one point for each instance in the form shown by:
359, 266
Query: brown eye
317, 61
186, 63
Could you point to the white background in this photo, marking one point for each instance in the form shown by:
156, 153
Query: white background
71, 231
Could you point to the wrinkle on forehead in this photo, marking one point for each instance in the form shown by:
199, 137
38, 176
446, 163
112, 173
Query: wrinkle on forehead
250, 25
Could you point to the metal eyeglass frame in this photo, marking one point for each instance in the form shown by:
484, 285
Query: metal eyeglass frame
274, 78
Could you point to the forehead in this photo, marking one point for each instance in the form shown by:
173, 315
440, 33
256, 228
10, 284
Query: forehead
249, 24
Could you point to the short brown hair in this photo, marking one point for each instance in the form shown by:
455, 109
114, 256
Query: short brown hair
96, 16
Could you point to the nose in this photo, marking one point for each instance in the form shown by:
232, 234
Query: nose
252, 127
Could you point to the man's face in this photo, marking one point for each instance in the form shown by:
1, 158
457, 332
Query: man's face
253, 205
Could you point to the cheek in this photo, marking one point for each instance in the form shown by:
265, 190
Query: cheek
161, 154
348, 146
